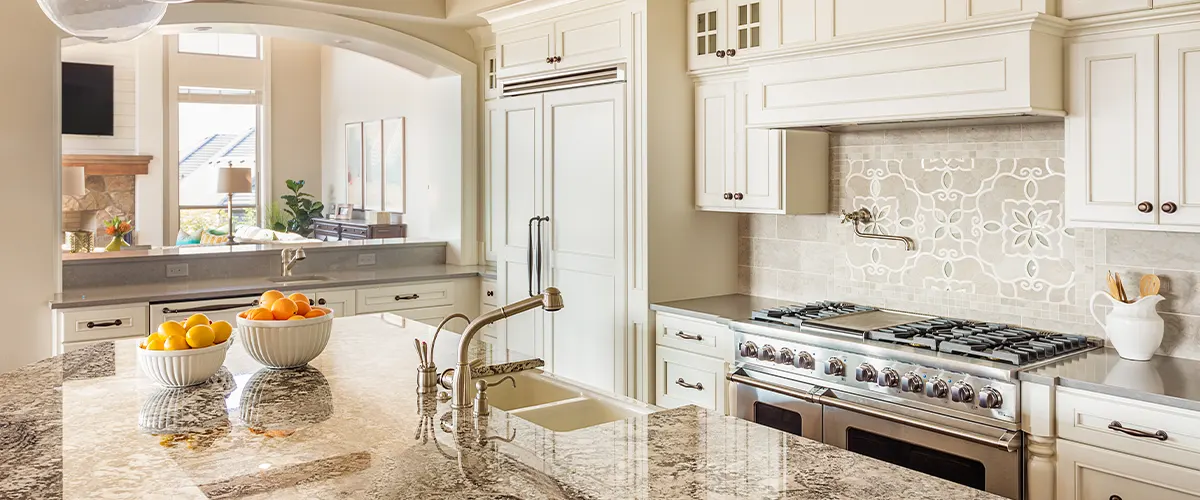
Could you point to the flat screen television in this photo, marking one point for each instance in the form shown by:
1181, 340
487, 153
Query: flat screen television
87, 99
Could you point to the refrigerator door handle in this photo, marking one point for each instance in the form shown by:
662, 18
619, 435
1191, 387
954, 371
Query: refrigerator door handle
539, 252
529, 255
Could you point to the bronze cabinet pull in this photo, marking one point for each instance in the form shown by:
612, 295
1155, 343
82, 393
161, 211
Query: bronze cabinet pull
321, 301
407, 297
731, 52
721, 54
105, 324
688, 336
738, 196
1116, 426
697, 386
1145, 207
728, 196
1170, 207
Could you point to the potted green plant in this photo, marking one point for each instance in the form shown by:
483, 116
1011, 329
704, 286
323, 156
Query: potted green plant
302, 208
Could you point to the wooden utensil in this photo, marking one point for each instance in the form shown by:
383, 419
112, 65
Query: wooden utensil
1113, 290
1121, 289
1149, 285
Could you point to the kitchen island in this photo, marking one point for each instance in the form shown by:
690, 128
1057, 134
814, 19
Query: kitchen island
88, 424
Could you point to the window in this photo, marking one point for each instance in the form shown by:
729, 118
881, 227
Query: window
220, 44
215, 135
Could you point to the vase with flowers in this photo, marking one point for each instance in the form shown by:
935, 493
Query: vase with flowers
117, 228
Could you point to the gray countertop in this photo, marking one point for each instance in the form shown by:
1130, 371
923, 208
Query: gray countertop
221, 251
720, 308
224, 288
1163, 380
88, 424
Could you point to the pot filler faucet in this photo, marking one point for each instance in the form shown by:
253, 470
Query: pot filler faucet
550, 300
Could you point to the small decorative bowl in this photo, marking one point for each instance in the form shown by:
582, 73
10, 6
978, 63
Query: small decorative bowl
173, 369
286, 344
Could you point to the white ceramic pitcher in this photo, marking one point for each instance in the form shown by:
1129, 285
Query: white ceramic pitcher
1135, 330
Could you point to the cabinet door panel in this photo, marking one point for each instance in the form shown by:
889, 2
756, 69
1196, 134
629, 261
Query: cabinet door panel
342, 302
757, 169
706, 20
525, 51
1088, 473
716, 145
1112, 148
591, 39
796, 22
1075, 9
585, 178
1179, 130
753, 26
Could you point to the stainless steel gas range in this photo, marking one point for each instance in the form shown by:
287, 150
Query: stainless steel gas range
937, 395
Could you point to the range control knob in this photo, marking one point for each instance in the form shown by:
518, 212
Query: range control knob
835, 367
749, 350
937, 389
888, 378
786, 357
767, 353
911, 382
961, 392
989, 398
864, 373
805, 361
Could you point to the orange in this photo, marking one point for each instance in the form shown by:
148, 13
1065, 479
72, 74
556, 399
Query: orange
243, 314
269, 297
222, 330
297, 318
302, 307
176, 343
315, 313
298, 297
260, 314
283, 309
201, 336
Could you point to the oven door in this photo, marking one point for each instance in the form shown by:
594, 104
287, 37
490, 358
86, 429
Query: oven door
995, 468
775, 409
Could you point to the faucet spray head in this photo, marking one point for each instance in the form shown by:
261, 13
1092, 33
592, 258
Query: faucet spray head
552, 300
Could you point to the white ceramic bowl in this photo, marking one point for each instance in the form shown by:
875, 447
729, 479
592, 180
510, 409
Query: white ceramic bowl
286, 344
183, 368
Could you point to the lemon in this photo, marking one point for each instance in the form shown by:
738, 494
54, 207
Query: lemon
176, 343
196, 319
171, 328
155, 343
201, 336
222, 330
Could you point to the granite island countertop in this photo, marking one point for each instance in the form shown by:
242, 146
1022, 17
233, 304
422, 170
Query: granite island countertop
350, 425
251, 286
1162, 380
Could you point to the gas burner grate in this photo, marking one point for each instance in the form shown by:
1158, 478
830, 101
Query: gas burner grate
1014, 345
931, 332
795, 315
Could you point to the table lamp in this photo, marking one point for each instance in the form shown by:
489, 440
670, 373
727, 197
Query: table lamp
231, 181
73, 184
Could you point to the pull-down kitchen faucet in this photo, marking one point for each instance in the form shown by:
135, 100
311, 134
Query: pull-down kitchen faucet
550, 300
291, 257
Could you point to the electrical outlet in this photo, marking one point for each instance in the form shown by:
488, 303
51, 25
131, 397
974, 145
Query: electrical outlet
177, 270
366, 259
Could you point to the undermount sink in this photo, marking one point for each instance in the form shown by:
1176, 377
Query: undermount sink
295, 280
557, 405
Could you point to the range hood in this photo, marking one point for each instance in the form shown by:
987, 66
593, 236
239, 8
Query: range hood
1001, 68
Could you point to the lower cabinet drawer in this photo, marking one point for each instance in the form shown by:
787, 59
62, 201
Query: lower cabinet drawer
1091, 473
700, 337
405, 297
1130, 427
84, 325
683, 378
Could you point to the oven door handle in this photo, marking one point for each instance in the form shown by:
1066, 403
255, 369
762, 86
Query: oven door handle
1007, 441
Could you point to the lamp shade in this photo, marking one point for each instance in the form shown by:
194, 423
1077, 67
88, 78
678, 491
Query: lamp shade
233, 180
73, 182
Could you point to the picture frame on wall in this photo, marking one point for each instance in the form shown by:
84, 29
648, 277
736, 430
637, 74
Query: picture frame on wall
394, 164
354, 163
372, 165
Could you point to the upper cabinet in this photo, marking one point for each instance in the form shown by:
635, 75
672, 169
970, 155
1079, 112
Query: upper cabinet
489, 81
1078, 9
590, 38
1131, 129
741, 169
723, 30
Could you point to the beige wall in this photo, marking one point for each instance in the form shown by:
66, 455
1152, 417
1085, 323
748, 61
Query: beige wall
295, 115
358, 88
29, 138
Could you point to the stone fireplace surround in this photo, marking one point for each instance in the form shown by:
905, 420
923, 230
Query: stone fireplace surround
110, 182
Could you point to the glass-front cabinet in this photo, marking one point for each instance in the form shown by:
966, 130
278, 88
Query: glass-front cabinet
724, 30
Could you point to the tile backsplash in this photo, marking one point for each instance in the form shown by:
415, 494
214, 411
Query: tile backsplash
985, 206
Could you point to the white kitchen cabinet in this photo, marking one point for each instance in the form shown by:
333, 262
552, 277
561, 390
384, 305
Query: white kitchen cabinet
77, 328
1179, 128
753, 170
561, 158
1076, 9
683, 378
341, 301
585, 39
723, 30
1107, 421
489, 79
1111, 135
1091, 473
404, 297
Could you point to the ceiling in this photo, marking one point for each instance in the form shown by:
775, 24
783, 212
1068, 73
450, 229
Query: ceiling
453, 12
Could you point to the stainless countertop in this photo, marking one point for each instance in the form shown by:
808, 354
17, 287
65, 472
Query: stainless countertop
89, 424
242, 287
721, 308
1163, 380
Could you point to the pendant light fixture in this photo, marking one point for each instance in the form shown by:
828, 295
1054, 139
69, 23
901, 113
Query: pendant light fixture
104, 21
